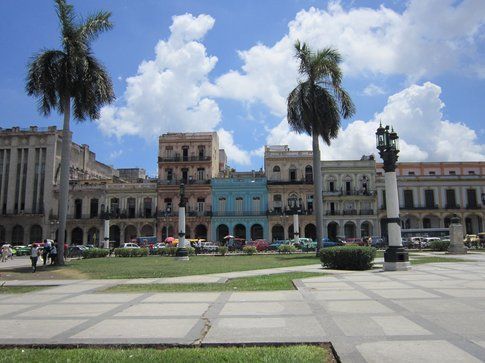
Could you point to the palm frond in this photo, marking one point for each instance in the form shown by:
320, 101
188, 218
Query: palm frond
44, 76
66, 15
94, 25
304, 54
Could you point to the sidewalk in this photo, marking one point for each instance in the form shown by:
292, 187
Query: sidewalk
433, 313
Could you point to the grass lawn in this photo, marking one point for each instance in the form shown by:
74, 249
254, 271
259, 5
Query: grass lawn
20, 289
252, 283
295, 353
157, 266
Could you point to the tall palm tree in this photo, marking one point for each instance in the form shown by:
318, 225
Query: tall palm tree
316, 107
57, 77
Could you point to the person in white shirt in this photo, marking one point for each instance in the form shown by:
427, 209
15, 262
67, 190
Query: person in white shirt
34, 255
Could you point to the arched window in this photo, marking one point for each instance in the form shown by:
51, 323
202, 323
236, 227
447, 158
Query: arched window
276, 172
292, 173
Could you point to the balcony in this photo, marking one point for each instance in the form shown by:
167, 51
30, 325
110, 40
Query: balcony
182, 159
414, 207
366, 212
291, 182
349, 212
345, 193
474, 206
452, 206
177, 182
333, 213
237, 213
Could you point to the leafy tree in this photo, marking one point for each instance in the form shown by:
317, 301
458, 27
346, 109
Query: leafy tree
58, 77
316, 107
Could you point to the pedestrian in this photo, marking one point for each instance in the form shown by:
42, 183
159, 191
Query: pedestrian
46, 250
4, 253
10, 252
53, 254
34, 255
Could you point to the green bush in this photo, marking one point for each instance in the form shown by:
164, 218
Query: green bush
348, 257
172, 251
95, 252
250, 250
131, 252
439, 245
286, 249
190, 250
222, 250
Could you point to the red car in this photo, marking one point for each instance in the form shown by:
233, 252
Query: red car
260, 244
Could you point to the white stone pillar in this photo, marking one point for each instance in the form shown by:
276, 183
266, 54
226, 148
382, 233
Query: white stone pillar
394, 229
182, 241
296, 227
106, 233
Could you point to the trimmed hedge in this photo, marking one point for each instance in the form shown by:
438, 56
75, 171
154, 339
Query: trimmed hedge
95, 252
172, 251
250, 250
348, 257
286, 249
131, 252
222, 250
439, 245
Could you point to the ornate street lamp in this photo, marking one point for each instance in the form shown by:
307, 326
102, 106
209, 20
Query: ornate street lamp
182, 253
396, 257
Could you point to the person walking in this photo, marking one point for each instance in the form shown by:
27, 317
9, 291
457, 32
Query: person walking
4, 253
53, 254
34, 255
46, 250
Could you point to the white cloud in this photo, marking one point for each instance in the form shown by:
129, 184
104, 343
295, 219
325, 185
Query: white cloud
115, 154
415, 113
373, 90
234, 153
166, 93
428, 38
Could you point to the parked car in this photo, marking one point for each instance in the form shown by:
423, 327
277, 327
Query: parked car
377, 242
260, 244
471, 240
274, 246
22, 250
309, 246
354, 241
130, 245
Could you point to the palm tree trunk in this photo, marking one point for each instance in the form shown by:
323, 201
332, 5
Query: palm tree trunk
317, 189
64, 181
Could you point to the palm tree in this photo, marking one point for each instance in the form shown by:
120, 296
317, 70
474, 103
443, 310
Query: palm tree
316, 107
57, 77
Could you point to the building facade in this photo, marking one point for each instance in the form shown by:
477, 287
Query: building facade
191, 159
239, 206
29, 175
431, 193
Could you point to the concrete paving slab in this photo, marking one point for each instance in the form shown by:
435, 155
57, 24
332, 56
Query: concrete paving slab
31, 298
340, 295
414, 351
358, 325
440, 284
266, 329
145, 328
420, 277
366, 278
102, 298
69, 310
265, 308
70, 289
383, 285
327, 285
463, 292
433, 306
399, 325
15, 329
163, 309
266, 296
182, 297
405, 294
7, 309
355, 307
466, 324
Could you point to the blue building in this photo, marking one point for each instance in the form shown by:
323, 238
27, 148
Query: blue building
239, 206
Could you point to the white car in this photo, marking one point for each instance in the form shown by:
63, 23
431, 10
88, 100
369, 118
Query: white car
130, 245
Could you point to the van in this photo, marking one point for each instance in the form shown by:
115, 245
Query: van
130, 245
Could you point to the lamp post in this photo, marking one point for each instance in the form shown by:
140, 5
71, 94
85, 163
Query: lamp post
396, 257
182, 253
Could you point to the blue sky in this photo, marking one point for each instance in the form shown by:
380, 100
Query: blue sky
228, 65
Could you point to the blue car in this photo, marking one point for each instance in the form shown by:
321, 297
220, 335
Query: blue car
329, 243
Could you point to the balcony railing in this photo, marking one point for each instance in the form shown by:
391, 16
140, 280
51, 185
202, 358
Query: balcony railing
176, 159
333, 212
452, 206
348, 212
473, 206
295, 181
237, 213
344, 193
415, 207
185, 181
366, 212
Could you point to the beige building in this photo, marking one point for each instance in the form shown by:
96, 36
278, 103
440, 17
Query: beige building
29, 173
431, 193
191, 159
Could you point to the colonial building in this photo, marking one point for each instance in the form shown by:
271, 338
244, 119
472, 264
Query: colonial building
191, 159
239, 206
431, 193
29, 174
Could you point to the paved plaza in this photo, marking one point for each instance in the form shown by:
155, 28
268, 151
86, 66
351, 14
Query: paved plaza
433, 313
